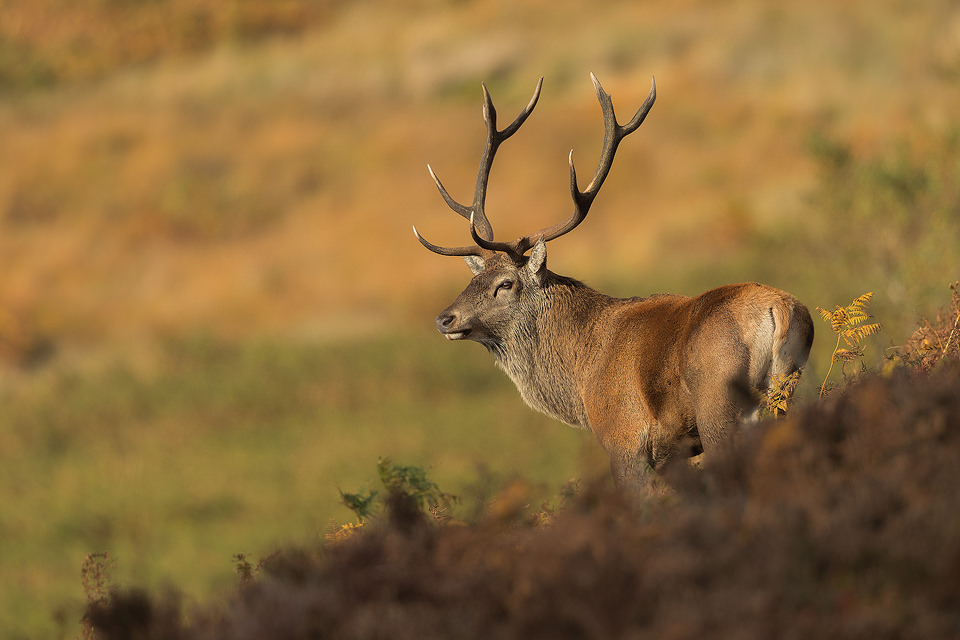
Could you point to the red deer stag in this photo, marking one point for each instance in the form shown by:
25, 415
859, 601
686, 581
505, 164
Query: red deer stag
644, 374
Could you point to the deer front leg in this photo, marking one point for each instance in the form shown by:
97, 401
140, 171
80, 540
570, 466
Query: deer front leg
630, 471
622, 427
631, 458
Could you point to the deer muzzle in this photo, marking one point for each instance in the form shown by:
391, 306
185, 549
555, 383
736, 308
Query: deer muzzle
449, 324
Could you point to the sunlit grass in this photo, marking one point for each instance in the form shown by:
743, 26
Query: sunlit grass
240, 178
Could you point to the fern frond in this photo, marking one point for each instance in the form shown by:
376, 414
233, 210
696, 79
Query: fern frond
862, 302
846, 355
841, 320
855, 317
339, 533
778, 396
847, 323
867, 330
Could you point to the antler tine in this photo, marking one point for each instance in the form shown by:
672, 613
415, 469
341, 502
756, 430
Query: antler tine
453, 204
613, 133
472, 250
493, 140
522, 117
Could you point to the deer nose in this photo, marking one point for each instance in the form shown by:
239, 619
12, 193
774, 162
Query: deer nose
445, 321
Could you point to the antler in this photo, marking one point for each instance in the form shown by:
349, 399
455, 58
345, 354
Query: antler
480, 229
475, 213
613, 133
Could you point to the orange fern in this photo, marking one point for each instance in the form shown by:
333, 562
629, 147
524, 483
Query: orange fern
847, 323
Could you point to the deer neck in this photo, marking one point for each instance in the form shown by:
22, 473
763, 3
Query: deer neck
547, 351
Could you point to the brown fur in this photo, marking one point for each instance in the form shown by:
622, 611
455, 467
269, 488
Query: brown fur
643, 374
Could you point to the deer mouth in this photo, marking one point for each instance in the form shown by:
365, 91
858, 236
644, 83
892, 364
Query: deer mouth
456, 335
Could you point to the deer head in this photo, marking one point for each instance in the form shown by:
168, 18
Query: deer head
506, 279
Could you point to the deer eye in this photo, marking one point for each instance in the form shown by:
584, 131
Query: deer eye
506, 285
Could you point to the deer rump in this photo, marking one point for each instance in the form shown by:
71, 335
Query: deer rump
677, 374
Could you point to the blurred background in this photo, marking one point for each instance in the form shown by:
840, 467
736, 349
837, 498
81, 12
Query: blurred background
213, 311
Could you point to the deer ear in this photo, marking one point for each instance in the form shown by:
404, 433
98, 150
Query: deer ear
537, 262
475, 263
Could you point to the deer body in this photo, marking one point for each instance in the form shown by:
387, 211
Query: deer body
645, 375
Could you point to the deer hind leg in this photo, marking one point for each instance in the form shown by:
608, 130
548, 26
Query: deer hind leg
719, 411
723, 395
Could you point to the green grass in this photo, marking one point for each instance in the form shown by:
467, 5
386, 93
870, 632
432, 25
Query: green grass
230, 449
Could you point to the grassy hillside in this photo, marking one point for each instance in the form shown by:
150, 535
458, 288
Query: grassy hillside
213, 311
268, 184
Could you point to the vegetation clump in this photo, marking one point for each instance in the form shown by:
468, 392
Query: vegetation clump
935, 341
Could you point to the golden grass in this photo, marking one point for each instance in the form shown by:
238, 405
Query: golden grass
271, 187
